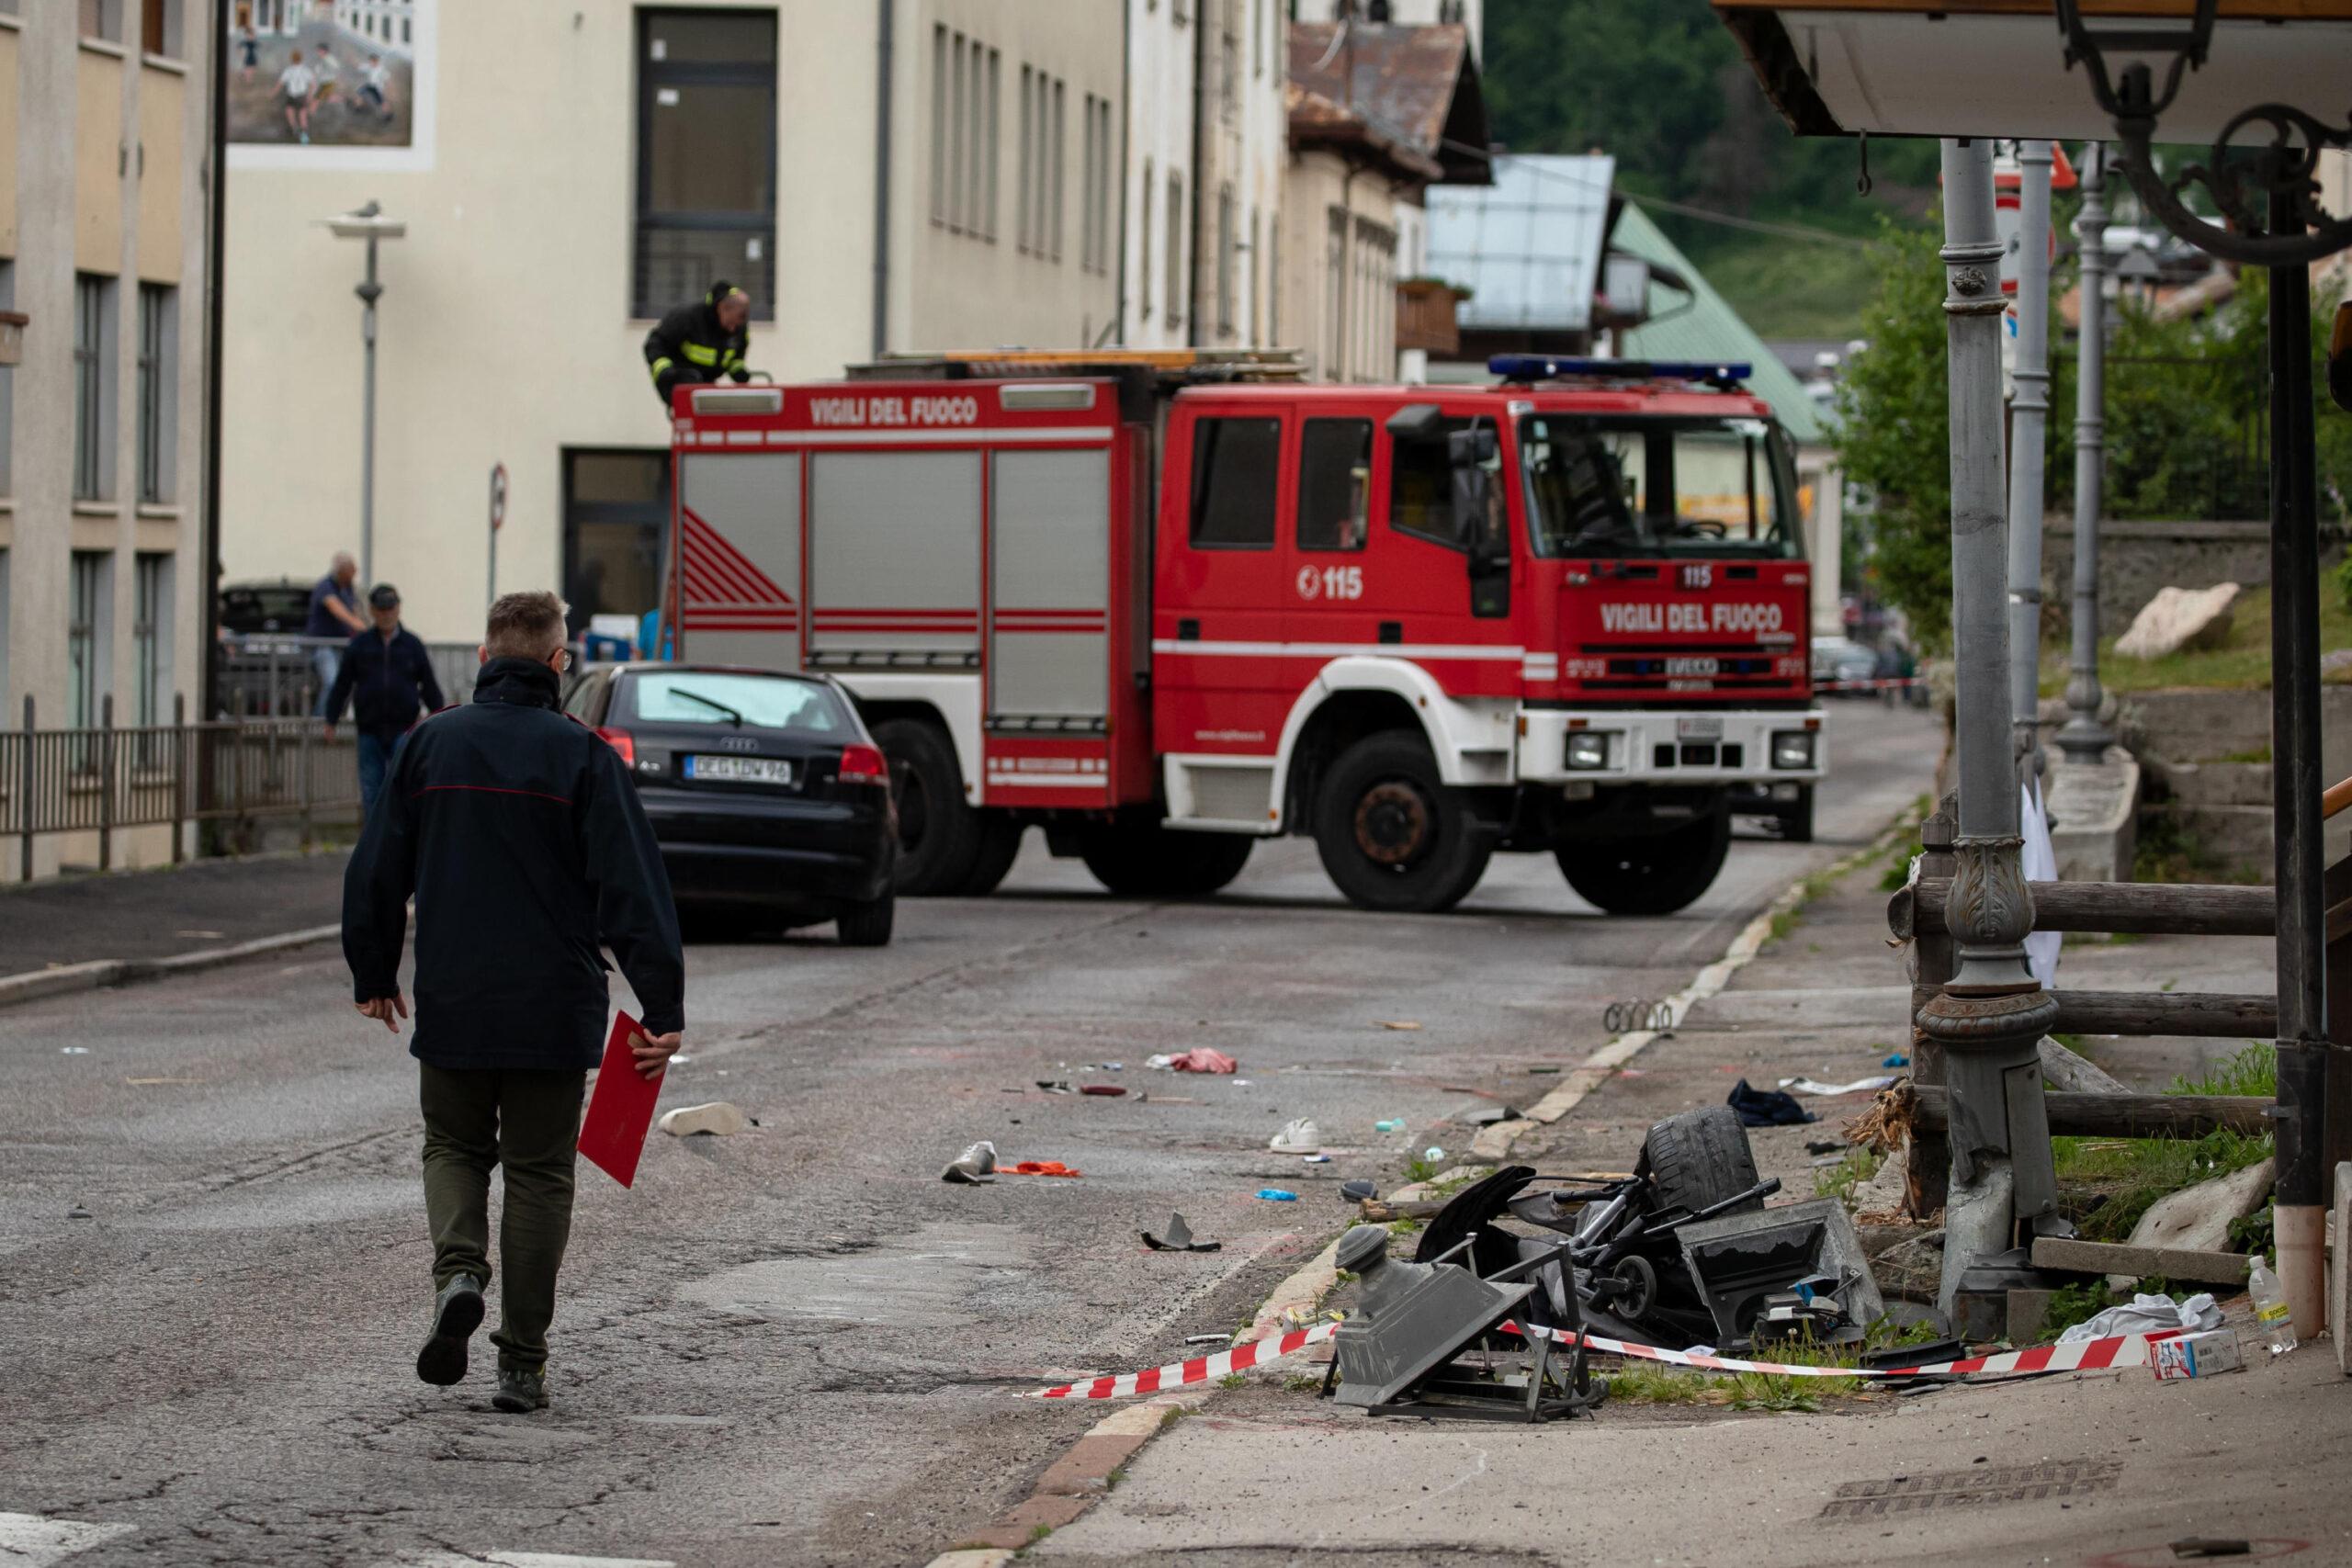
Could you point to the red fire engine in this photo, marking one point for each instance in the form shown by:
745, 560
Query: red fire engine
1164, 605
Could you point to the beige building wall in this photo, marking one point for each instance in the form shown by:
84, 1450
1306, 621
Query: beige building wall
103, 152
1339, 226
1244, 146
1162, 54
506, 332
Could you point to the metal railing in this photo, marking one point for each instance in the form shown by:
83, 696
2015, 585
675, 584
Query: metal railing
97, 781
264, 675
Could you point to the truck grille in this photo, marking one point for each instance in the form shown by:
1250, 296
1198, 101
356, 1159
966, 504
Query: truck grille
1698, 754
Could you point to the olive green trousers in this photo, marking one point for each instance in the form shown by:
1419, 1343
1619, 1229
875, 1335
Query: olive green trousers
528, 1123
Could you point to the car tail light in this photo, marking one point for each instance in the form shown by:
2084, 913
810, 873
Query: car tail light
865, 764
621, 740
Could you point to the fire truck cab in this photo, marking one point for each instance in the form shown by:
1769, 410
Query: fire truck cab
1167, 605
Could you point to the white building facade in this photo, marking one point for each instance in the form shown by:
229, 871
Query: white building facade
916, 175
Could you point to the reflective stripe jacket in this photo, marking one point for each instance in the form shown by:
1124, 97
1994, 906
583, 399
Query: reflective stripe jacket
689, 346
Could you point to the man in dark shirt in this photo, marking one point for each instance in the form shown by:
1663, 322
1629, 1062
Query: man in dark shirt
700, 341
388, 679
334, 613
519, 832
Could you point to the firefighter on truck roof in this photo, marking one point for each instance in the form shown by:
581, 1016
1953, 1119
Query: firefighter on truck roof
700, 341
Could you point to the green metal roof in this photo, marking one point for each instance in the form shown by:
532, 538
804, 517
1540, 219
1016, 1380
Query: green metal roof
1707, 329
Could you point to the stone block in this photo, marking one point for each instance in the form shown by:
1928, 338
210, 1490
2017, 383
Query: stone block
2198, 1218
2068, 1256
2178, 618
2029, 1310
2095, 816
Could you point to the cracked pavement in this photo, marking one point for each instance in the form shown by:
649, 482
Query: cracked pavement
796, 1343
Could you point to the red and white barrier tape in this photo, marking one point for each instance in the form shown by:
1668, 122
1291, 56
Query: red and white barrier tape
1200, 1368
2088, 1355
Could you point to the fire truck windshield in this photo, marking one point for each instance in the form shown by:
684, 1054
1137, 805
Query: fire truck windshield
1615, 485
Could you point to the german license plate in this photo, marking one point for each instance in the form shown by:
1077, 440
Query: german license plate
1699, 727
739, 770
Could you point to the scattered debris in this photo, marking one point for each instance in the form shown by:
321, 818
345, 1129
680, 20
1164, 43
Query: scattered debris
2200, 1546
1037, 1167
1317, 1159
72, 1050
1398, 1023
1389, 1124
1276, 1195
2148, 1314
1896, 1059
1300, 1137
1056, 1085
1827, 1091
2070, 1072
1200, 1059
975, 1166
1359, 1191
1178, 1238
2064, 1256
1824, 1146
1765, 1108
1108, 1090
2180, 618
1208, 1338
79, 1212
2198, 1356
1489, 1116
717, 1119
1433, 1153
1538, 1071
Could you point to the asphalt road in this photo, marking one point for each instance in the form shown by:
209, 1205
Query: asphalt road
794, 1345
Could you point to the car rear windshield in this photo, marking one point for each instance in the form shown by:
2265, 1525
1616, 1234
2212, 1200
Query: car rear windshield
767, 702
1610, 486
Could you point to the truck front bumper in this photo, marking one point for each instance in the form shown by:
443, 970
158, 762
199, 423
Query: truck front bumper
1705, 746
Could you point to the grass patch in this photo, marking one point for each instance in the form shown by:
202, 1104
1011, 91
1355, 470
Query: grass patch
1839, 1181
2242, 661
1231, 1380
1788, 919
2253, 1069
2167, 852
1419, 1169
2110, 1182
2251, 754
1406, 1226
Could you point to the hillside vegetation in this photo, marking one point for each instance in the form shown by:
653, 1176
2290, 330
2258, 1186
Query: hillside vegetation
1661, 86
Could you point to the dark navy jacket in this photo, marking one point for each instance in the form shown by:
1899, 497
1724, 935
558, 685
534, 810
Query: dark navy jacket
386, 684
520, 834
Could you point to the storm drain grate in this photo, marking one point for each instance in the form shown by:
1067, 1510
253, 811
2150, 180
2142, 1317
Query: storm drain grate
1972, 1488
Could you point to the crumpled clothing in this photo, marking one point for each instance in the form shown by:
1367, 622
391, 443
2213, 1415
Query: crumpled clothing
2148, 1314
1765, 1108
1201, 1059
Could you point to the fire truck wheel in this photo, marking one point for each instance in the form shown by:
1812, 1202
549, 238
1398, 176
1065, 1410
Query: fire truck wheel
1653, 876
866, 925
1153, 863
1392, 836
939, 835
999, 846
1797, 826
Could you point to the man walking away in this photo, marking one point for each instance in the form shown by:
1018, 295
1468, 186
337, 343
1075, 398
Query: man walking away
334, 613
298, 84
520, 834
701, 342
388, 679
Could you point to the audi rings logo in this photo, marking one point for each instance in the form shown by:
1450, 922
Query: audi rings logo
738, 744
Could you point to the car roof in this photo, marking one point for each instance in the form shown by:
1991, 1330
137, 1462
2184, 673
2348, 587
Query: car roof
649, 666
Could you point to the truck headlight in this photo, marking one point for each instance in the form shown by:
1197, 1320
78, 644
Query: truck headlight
1589, 750
1792, 749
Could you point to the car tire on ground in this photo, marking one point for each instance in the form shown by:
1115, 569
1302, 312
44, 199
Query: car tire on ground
999, 846
1697, 1159
867, 924
1160, 863
1656, 875
1796, 827
939, 833
1394, 838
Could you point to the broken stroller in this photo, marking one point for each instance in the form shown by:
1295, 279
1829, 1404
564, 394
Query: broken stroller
1682, 1252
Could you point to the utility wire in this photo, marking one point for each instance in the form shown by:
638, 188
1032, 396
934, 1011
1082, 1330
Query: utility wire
1683, 209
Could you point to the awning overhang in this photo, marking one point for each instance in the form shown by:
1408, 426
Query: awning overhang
1999, 67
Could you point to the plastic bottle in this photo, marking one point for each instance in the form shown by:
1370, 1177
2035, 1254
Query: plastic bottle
2270, 1314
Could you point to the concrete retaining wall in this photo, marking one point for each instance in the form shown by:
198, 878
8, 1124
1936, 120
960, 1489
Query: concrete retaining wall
2137, 559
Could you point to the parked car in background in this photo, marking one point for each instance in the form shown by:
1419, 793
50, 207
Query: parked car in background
1842, 659
250, 608
771, 801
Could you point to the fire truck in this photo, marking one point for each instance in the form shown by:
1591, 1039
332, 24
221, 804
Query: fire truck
1167, 605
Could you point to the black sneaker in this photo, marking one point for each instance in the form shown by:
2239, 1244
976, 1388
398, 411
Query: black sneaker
521, 1389
457, 1312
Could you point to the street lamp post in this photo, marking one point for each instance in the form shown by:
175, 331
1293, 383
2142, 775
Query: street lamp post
368, 223
2029, 412
1990, 1016
2084, 739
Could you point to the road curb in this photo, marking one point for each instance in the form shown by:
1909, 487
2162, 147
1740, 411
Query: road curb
98, 973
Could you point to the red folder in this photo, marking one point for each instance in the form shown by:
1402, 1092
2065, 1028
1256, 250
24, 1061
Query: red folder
612, 1135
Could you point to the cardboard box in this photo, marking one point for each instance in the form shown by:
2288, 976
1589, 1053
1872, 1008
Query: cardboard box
2198, 1355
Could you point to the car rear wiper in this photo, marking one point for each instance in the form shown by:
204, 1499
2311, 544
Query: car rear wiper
734, 717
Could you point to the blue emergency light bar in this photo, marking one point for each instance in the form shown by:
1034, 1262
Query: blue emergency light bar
1725, 374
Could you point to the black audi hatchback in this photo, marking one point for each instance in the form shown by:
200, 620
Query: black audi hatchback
771, 801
